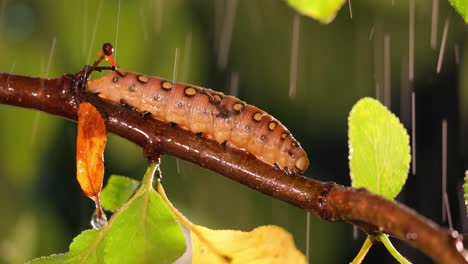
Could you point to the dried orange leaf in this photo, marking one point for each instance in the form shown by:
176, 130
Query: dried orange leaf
90, 144
264, 244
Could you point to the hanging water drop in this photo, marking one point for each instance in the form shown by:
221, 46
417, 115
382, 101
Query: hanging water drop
98, 219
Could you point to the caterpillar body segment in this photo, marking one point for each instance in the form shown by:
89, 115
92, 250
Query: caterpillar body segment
216, 116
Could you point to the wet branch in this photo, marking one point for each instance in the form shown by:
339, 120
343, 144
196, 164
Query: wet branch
329, 201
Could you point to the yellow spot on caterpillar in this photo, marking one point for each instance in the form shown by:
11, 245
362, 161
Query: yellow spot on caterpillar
142, 78
190, 91
166, 85
258, 116
216, 98
284, 136
238, 107
272, 125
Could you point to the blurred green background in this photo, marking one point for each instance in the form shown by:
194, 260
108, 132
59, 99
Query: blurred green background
41, 205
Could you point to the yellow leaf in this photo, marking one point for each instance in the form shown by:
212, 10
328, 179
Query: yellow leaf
264, 244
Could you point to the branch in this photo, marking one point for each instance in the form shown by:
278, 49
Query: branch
332, 202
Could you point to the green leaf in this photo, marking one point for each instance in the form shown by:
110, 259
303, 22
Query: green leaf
52, 259
81, 246
118, 190
83, 249
143, 230
87, 247
379, 149
321, 10
462, 7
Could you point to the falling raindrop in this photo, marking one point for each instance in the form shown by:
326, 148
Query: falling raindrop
444, 167
442, 45
378, 64
371, 33
413, 132
34, 128
37, 116
377, 91
226, 37
84, 38
234, 84
308, 236
176, 63
51, 55
294, 56
11, 70
178, 166
448, 212
435, 12
98, 219
355, 232
405, 93
117, 32
411, 41
387, 85
350, 9
93, 37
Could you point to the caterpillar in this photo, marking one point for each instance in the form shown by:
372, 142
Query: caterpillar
206, 112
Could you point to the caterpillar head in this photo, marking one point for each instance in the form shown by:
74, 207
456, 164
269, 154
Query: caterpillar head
111, 85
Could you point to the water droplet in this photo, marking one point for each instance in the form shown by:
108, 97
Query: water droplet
465, 254
411, 236
459, 246
98, 220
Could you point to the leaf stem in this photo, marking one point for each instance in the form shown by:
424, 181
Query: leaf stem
388, 244
363, 252
147, 181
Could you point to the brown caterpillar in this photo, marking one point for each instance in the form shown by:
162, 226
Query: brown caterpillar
223, 118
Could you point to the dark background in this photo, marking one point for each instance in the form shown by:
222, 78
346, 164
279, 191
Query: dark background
41, 205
